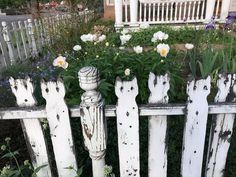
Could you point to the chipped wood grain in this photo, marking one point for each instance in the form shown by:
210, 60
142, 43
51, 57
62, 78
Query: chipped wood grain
221, 129
59, 124
195, 127
128, 127
157, 125
23, 91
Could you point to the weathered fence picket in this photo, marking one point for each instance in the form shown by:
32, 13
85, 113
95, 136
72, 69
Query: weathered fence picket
157, 126
22, 33
195, 127
23, 91
222, 128
15, 32
5, 61
128, 127
60, 130
93, 113
32, 35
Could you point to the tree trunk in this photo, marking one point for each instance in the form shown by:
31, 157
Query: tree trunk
35, 9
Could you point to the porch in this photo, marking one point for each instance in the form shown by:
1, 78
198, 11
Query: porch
135, 13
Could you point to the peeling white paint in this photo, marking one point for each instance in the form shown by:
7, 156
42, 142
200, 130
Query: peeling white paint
59, 124
221, 129
92, 119
128, 127
23, 91
195, 127
157, 125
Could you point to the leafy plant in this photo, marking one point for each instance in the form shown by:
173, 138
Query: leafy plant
14, 169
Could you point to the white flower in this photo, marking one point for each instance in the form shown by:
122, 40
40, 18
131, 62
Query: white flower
159, 36
121, 47
107, 44
189, 46
124, 31
60, 62
77, 47
102, 38
125, 38
163, 49
88, 37
127, 72
138, 49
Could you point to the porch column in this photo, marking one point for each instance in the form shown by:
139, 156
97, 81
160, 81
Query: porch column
209, 10
133, 12
118, 13
224, 10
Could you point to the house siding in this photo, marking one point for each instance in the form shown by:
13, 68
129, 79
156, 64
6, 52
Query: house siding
109, 11
233, 6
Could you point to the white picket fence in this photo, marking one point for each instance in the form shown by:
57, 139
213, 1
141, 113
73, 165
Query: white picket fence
24, 39
146, 12
93, 114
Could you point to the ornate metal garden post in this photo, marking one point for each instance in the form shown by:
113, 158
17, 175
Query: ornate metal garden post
92, 119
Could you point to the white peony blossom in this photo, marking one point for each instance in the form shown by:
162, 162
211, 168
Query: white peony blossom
60, 62
124, 31
159, 36
77, 47
138, 49
125, 38
189, 46
163, 49
88, 37
101, 38
127, 72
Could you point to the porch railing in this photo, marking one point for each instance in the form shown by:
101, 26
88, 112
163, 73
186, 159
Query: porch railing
93, 114
138, 12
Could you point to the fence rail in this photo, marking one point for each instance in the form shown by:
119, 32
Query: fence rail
93, 114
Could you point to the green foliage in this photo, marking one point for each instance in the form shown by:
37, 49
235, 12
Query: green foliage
12, 3
14, 169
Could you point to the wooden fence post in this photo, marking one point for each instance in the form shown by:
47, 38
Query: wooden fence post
23, 91
128, 127
92, 119
60, 130
37, 39
157, 126
22, 33
16, 35
195, 127
5, 54
28, 37
221, 129
7, 39
32, 37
